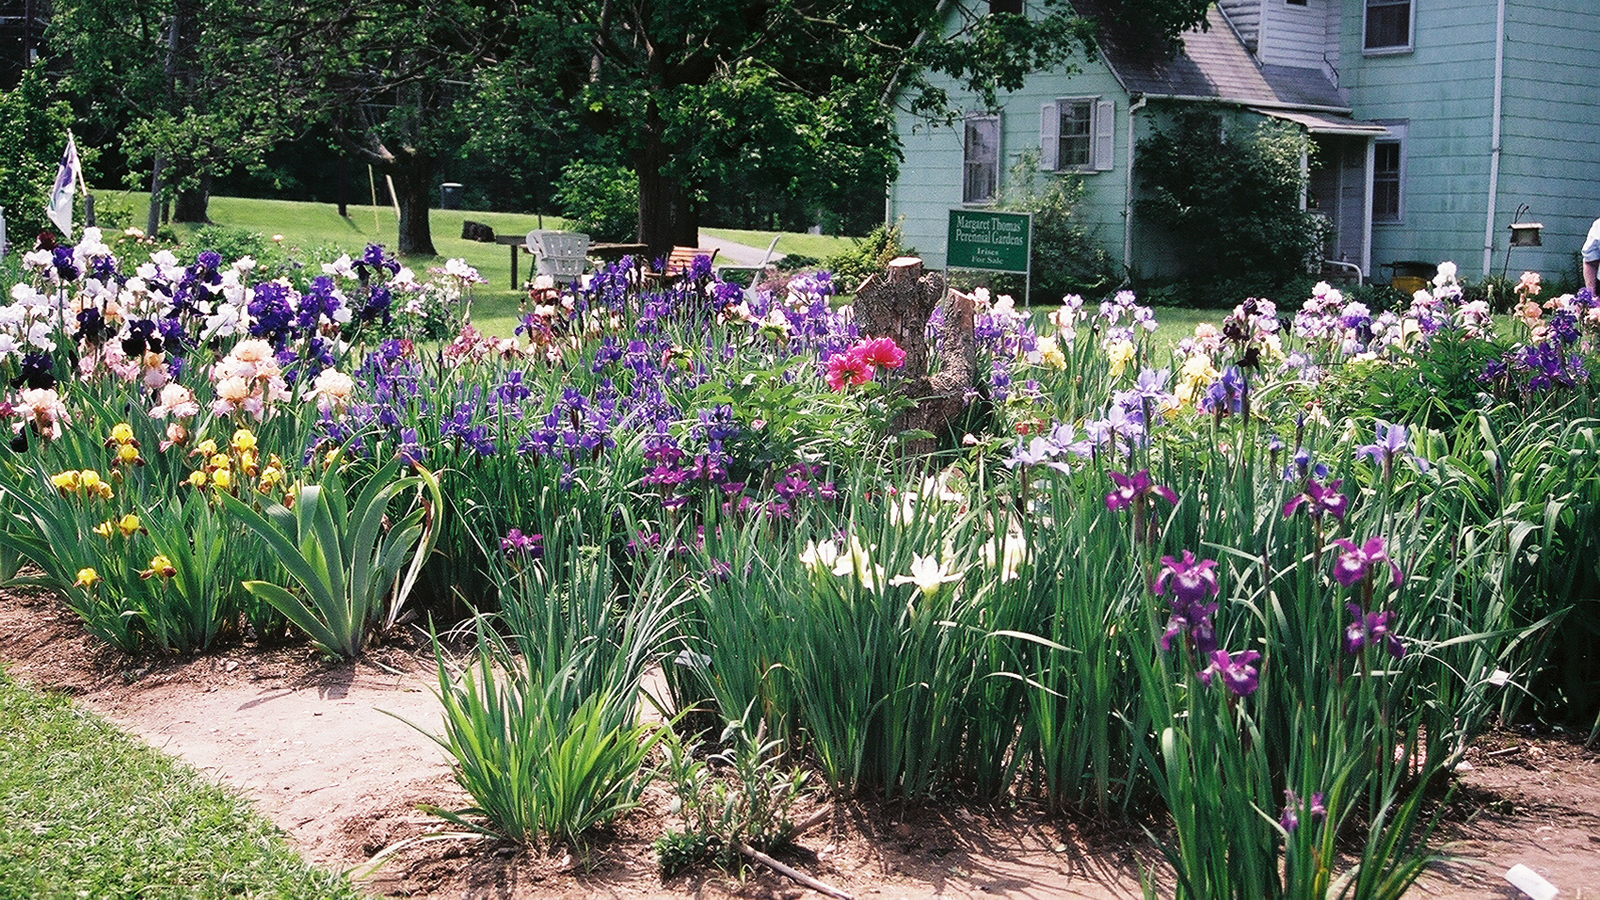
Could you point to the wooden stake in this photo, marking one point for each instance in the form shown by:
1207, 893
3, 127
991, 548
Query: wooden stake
791, 873
372, 182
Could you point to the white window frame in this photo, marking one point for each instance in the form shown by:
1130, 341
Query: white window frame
1411, 28
1399, 131
968, 163
1102, 135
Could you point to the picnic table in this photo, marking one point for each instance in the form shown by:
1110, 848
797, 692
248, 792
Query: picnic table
513, 241
607, 252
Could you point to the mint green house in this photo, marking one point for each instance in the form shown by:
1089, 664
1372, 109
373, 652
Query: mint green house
1437, 124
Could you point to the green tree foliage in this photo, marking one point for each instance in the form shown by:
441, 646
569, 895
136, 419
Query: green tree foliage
793, 94
392, 78
33, 132
603, 200
1229, 198
167, 81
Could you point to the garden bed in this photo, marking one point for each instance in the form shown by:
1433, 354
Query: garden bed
306, 741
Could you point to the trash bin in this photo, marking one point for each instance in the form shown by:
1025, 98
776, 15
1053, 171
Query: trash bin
1411, 275
450, 195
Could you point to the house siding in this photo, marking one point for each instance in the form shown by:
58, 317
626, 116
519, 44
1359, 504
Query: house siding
929, 183
1294, 35
1444, 90
1550, 129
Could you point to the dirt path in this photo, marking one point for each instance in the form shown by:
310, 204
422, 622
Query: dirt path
314, 746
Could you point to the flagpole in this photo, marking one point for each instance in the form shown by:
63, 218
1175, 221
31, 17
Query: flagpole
88, 198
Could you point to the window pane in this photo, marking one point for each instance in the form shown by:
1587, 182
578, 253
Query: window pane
1005, 6
981, 174
1076, 135
1388, 23
1386, 181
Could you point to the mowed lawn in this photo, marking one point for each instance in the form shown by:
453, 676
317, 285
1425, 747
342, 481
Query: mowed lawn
88, 812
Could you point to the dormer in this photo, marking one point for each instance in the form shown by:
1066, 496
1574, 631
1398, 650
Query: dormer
1298, 34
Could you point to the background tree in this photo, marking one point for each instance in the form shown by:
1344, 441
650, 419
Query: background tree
166, 83
392, 79
792, 94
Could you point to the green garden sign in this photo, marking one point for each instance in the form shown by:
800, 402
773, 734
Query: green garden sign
994, 241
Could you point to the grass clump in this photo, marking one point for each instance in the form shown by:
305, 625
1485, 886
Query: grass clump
85, 811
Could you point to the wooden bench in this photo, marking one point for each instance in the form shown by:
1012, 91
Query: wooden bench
680, 261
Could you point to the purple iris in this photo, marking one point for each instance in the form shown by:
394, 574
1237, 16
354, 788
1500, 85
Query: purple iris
1371, 628
1136, 488
1237, 671
1192, 583
1191, 580
1290, 820
1039, 451
1356, 563
1392, 441
515, 544
1319, 500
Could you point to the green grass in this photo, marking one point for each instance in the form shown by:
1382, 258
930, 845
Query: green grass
819, 246
86, 811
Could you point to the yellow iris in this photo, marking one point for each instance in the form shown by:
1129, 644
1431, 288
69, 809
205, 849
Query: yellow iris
128, 453
122, 433
160, 566
87, 578
223, 479
1120, 352
198, 478
244, 440
104, 529
66, 482
128, 525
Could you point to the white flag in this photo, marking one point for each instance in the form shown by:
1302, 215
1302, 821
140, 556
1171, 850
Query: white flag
67, 178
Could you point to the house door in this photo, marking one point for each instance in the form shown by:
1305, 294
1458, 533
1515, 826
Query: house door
1338, 191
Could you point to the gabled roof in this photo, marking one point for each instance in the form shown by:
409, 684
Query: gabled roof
1214, 64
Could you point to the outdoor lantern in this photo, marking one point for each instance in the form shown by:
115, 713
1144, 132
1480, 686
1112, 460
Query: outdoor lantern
1526, 234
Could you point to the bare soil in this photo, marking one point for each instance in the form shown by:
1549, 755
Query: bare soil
325, 750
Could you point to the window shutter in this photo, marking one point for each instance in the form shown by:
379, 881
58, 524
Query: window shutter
1105, 130
1049, 137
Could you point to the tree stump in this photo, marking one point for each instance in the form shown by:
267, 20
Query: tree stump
898, 305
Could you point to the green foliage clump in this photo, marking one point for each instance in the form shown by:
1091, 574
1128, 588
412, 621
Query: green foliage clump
740, 796
1066, 257
867, 256
602, 200
1436, 386
230, 243
1230, 201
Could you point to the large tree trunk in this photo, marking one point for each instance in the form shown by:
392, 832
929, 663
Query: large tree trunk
667, 215
192, 205
413, 188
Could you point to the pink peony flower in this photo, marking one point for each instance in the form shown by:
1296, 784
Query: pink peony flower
848, 369
882, 352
